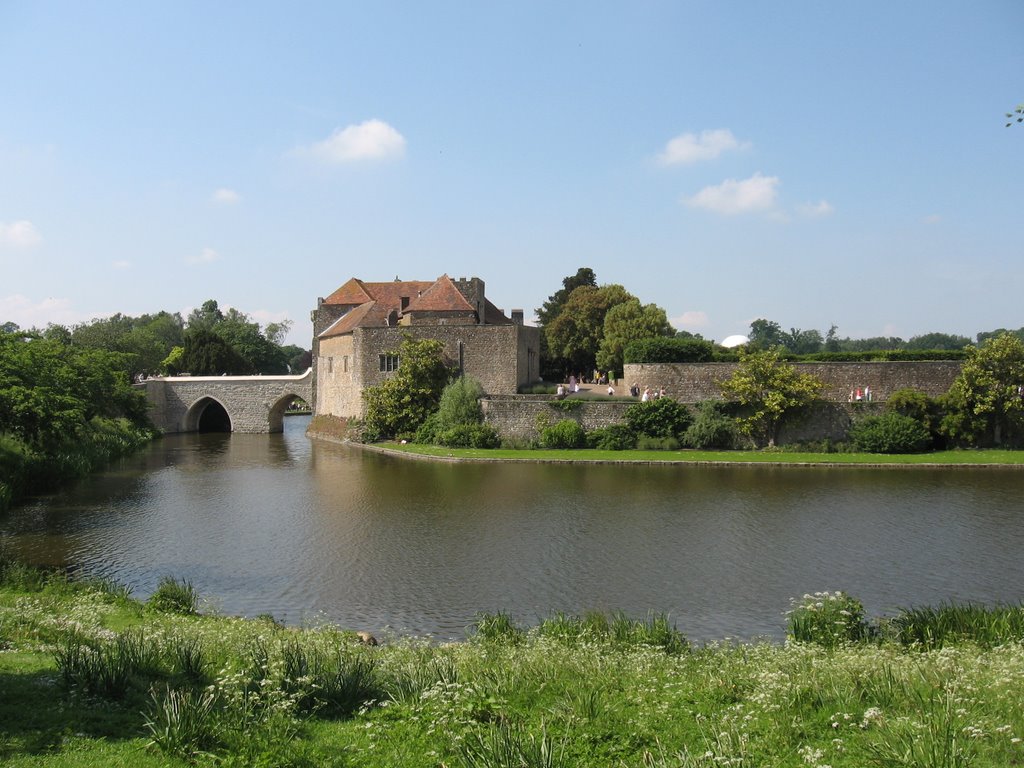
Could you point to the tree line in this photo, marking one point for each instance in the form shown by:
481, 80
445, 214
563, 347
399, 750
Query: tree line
587, 327
67, 405
208, 342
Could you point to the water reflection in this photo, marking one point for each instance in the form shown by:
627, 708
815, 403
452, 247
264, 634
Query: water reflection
279, 524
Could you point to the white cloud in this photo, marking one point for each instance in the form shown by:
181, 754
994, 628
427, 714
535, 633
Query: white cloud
122, 264
204, 257
31, 314
19, 234
370, 140
820, 208
225, 196
692, 319
932, 219
691, 147
731, 197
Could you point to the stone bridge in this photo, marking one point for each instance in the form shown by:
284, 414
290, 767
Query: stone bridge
252, 404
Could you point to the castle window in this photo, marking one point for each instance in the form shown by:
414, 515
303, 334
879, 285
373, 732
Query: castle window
344, 363
389, 362
330, 365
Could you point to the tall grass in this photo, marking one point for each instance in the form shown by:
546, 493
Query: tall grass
173, 596
505, 746
935, 627
655, 630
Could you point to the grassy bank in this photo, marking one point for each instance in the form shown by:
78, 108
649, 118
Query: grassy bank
89, 677
943, 458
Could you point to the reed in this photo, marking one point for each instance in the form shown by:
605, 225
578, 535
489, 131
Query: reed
505, 746
173, 596
934, 627
182, 723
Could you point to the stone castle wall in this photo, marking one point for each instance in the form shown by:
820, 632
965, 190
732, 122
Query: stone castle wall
697, 382
501, 357
517, 416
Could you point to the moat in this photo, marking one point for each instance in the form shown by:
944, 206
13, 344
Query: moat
310, 531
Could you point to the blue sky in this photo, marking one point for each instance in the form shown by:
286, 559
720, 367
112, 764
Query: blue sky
806, 162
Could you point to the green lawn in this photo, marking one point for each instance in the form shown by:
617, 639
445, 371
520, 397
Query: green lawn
960, 457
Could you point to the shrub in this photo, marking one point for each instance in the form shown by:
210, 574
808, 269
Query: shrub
662, 417
173, 596
828, 619
920, 407
565, 434
711, 428
614, 437
428, 431
890, 433
668, 350
467, 436
460, 402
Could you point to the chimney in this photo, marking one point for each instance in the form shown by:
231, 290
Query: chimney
517, 316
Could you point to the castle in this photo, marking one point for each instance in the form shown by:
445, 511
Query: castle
358, 328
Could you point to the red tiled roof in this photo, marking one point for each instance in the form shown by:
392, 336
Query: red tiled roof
373, 303
350, 320
352, 292
442, 296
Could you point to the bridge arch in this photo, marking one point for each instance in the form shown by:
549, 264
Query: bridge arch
275, 417
249, 404
207, 414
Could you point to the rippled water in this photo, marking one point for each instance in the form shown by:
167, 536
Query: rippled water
308, 530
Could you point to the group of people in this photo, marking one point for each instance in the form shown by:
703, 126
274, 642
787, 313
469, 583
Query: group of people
646, 394
858, 395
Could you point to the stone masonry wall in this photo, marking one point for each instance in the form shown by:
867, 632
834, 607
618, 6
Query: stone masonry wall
696, 382
255, 404
500, 357
516, 416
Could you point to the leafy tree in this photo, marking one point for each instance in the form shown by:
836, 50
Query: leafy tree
556, 302
576, 334
208, 354
937, 341
50, 391
984, 336
675, 350
766, 334
985, 403
173, 364
245, 337
206, 317
552, 365
802, 342
276, 332
769, 390
402, 402
629, 322
832, 339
